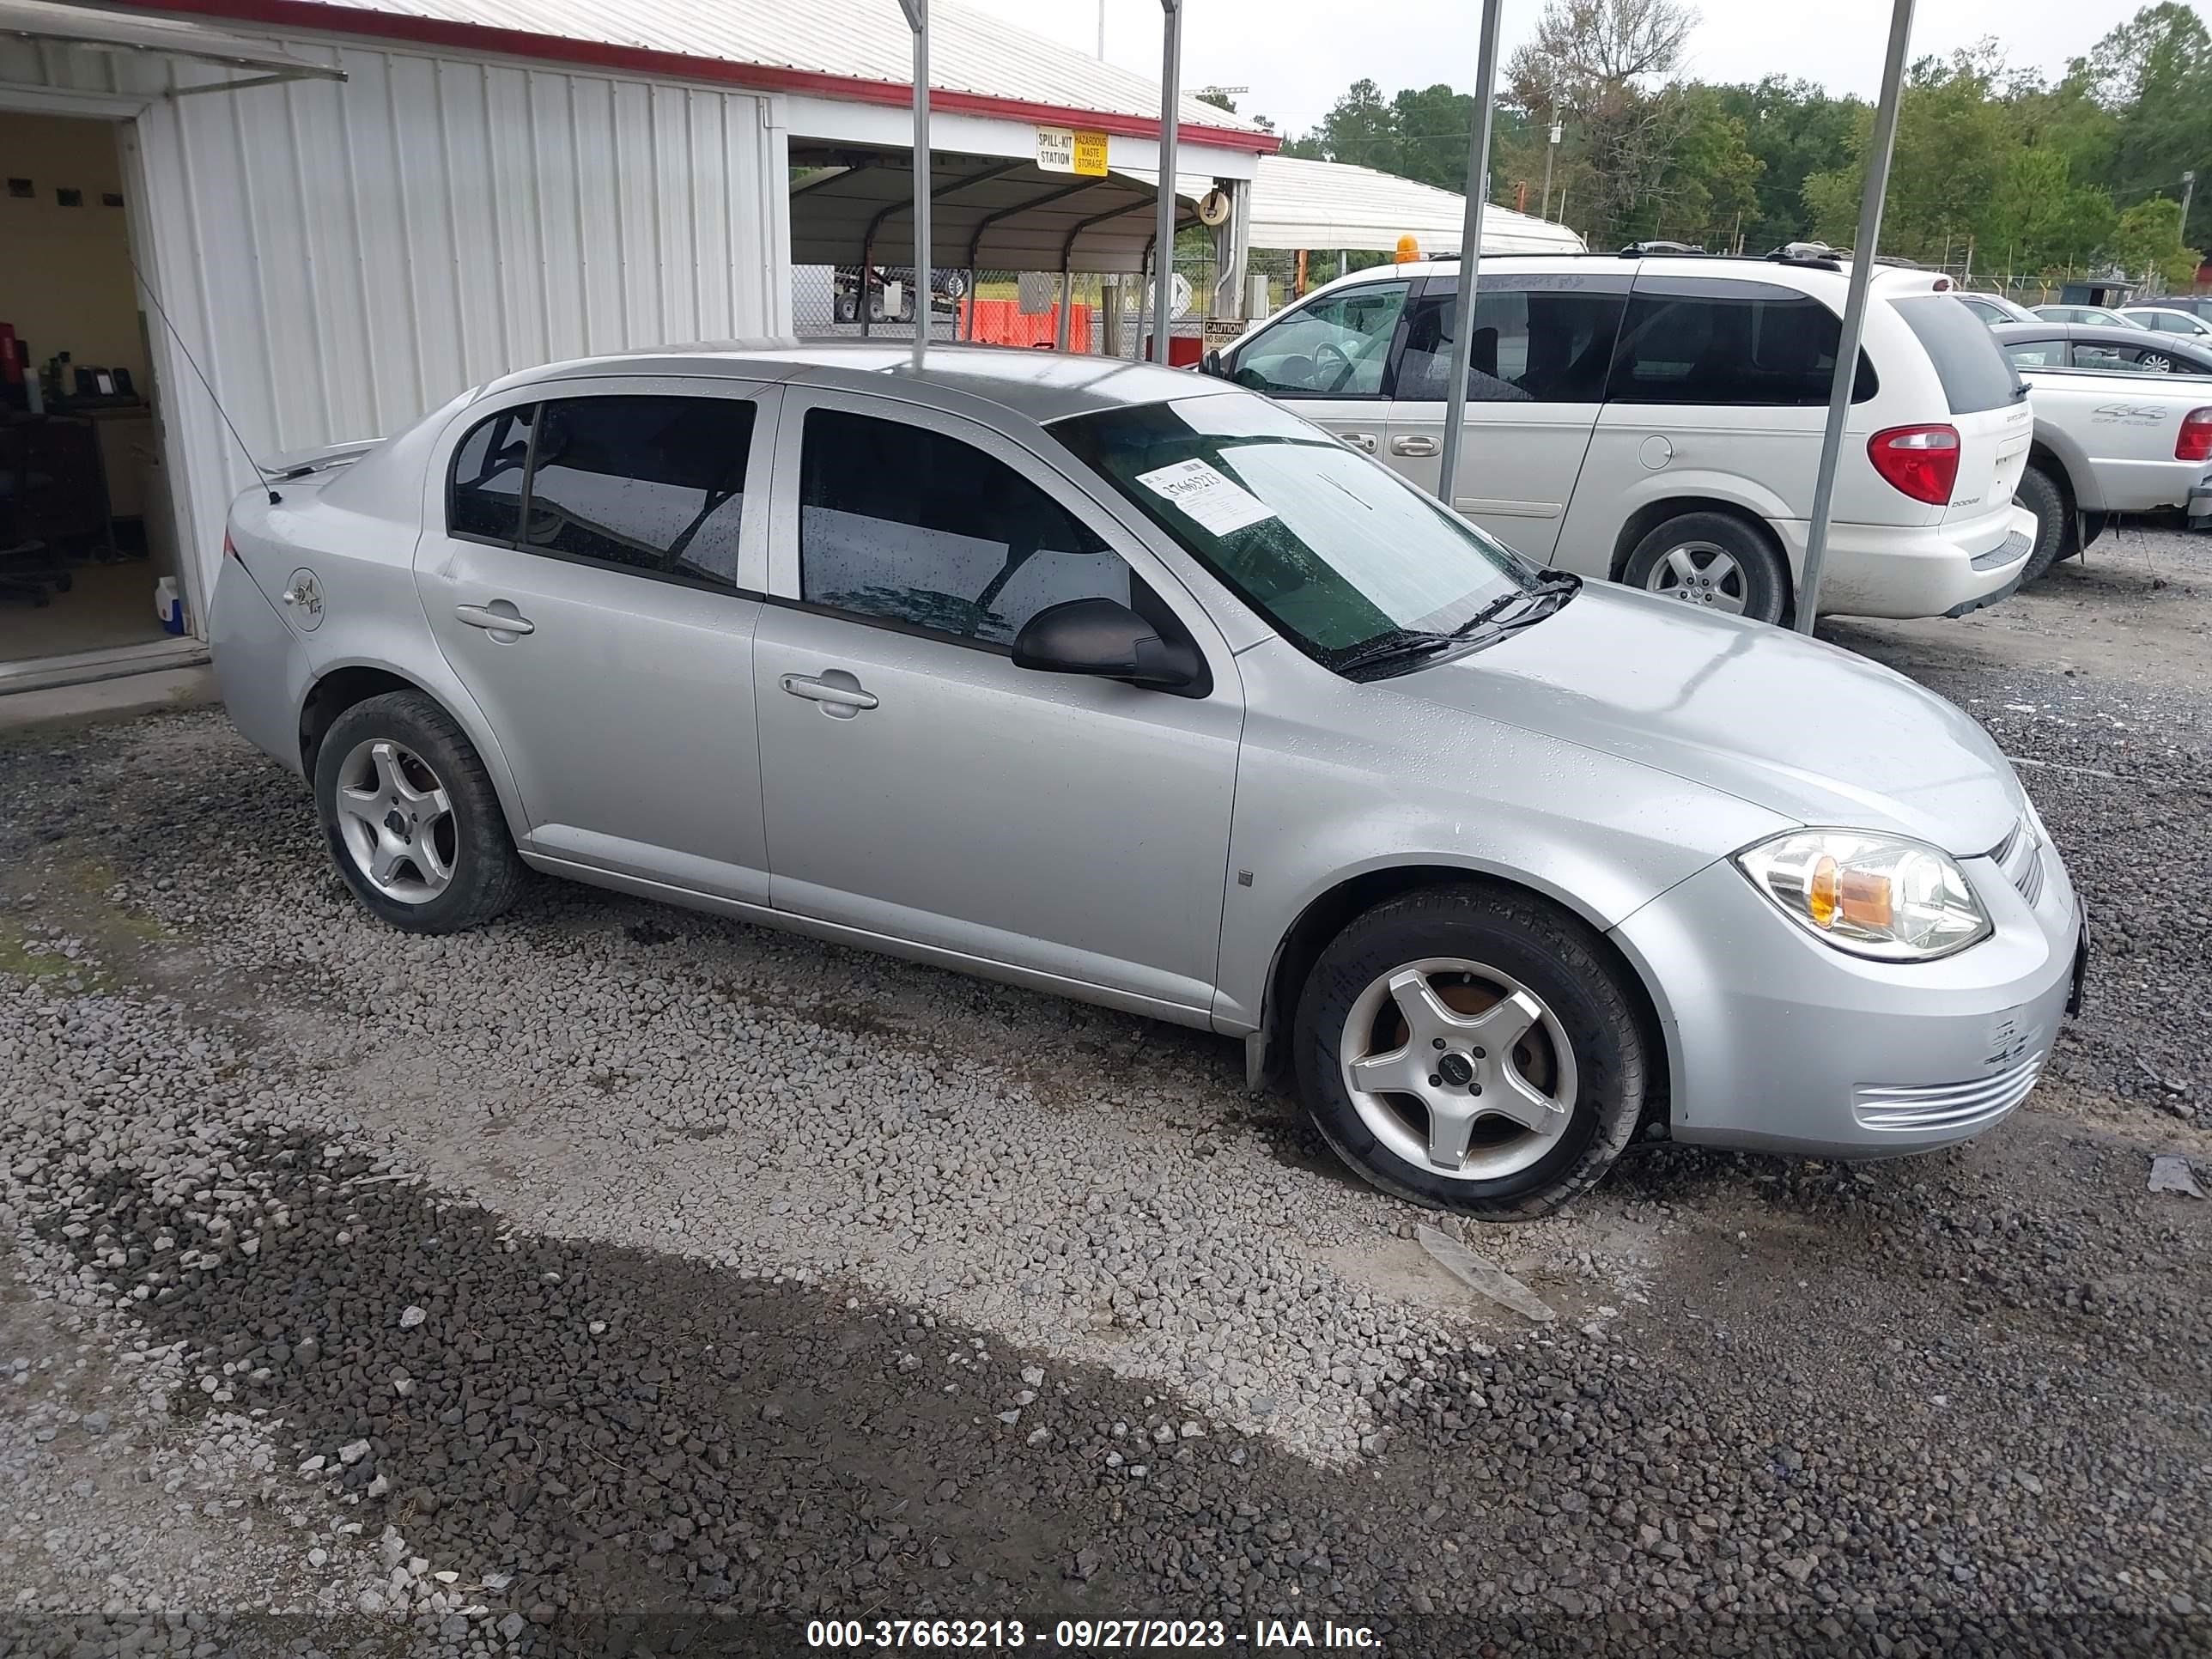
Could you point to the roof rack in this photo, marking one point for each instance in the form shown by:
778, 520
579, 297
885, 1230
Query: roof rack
1637, 250
1811, 256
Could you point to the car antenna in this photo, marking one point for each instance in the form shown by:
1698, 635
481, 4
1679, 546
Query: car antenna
261, 471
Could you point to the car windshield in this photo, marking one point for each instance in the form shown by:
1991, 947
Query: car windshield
1339, 554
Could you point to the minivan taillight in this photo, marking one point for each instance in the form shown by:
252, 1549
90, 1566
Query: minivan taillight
1923, 461
230, 548
2194, 442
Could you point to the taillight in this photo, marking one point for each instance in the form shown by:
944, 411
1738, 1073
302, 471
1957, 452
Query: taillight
1923, 461
230, 548
2194, 442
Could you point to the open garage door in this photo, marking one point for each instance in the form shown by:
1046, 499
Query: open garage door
257, 63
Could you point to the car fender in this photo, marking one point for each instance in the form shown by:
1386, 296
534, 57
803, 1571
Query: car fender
1697, 490
429, 672
2080, 470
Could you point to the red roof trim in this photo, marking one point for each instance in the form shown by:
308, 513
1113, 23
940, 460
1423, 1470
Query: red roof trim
318, 14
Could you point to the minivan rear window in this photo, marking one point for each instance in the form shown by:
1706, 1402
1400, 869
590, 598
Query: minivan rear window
1968, 361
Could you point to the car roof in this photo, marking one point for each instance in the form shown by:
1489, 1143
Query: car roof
1043, 386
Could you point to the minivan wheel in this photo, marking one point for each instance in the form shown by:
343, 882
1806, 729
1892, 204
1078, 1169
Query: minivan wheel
1713, 562
1473, 1050
412, 819
2040, 495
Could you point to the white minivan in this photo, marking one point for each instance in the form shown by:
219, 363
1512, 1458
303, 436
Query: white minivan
1657, 419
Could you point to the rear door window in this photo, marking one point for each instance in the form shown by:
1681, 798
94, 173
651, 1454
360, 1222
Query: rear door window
2036, 354
1736, 344
647, 483
1973, 371
1338, 346
1532, 342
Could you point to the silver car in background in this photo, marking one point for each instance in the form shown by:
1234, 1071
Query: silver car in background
1127, 684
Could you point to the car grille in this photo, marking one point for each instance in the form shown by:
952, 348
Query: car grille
2014, 546
1945, 1107
2020, 855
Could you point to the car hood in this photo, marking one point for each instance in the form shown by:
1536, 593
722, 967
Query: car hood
1802, 728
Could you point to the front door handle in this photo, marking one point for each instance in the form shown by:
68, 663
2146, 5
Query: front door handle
499, 616
844, 701
1357, 440
1415, 446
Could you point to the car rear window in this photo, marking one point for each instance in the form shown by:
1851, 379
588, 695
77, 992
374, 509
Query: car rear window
1967, 358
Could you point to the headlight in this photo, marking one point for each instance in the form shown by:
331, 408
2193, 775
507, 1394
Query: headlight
1872, 896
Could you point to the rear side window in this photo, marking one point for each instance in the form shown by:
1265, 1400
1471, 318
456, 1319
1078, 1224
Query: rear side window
901, 524
654, 484
1541, 345
1736, 344
1968, 360
2038, 354
484, 497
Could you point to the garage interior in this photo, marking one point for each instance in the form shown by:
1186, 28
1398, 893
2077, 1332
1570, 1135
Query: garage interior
87, 535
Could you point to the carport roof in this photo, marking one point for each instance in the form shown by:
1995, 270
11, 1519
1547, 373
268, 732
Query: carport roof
857, 49
1330, 205
985, 214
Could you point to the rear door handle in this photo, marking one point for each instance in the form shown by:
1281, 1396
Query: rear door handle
506, 621
1413, 446
1357, 440
848, 700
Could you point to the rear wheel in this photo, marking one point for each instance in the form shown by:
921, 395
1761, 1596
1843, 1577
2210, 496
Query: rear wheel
1712, 561
2040, 495
1472, 1049
412, 819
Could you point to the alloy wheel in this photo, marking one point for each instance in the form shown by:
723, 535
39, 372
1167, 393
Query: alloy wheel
396, 820
1703, 573
1458, 1069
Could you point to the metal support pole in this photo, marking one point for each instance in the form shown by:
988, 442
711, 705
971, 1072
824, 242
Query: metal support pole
1163, 237
917, 19
1470, 252
1550, 150
1878, 145
1066, 304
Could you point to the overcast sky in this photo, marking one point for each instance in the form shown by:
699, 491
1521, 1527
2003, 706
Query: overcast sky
1298, 55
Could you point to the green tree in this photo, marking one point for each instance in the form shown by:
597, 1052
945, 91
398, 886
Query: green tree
1710, 185
1952, 139
2152, 77
1795, 130
2039, 219
2148, 238
1433, 125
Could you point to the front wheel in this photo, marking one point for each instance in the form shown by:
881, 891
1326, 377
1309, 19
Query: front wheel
1473, 1050
1712, 561
412, 819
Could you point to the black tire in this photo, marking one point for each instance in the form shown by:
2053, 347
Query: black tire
487, 872
1763, 579
1559, 959
2040, 495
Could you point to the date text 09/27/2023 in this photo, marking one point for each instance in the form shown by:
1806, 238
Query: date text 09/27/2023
1088, 1635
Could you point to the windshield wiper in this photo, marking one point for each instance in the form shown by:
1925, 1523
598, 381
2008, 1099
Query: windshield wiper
1557, 585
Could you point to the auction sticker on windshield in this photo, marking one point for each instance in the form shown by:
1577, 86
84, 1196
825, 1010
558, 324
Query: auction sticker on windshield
1211, 499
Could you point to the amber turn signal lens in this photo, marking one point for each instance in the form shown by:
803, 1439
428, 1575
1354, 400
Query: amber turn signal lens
1821, 897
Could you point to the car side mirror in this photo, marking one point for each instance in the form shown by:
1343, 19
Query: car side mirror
1106, 639
1212, 364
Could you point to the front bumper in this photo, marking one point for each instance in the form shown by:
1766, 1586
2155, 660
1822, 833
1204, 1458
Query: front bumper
1778, 1041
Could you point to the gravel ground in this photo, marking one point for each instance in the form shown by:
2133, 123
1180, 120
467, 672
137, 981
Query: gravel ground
622, 1279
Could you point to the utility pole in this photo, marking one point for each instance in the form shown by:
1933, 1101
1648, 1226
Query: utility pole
1550, 150
2188, 195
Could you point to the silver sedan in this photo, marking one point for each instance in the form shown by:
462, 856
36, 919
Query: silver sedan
1126, 684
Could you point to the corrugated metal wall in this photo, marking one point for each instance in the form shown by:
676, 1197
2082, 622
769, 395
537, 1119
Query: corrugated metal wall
342, 257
